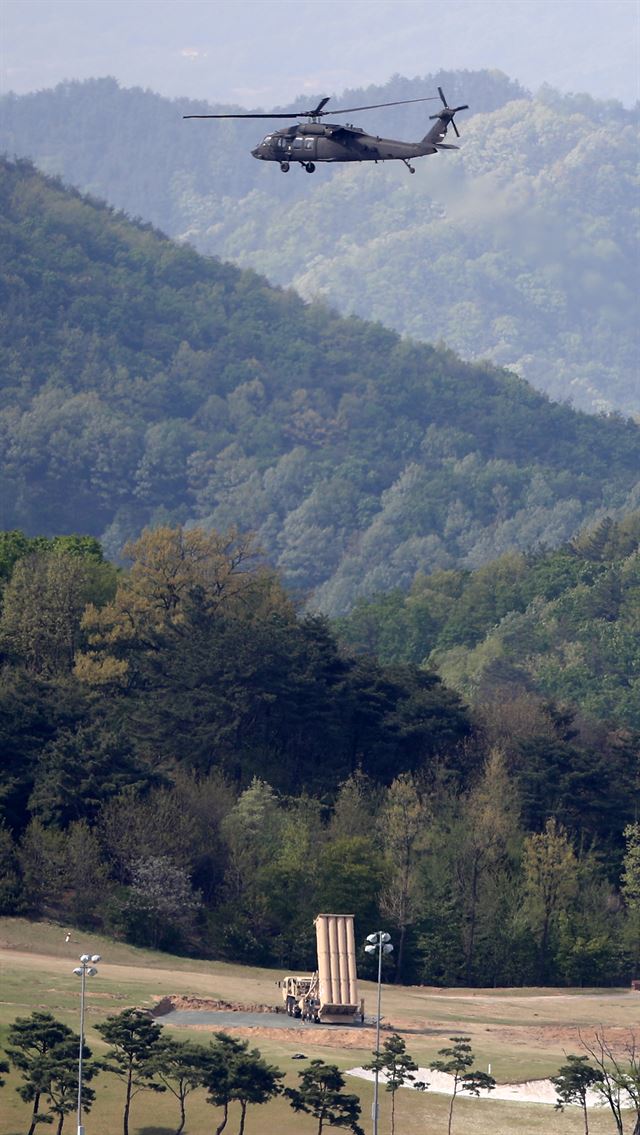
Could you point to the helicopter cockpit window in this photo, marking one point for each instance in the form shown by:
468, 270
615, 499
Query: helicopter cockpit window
308, 145
297, 143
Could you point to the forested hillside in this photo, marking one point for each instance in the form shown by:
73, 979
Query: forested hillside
189, 764
143, 383
564, 625
510, 250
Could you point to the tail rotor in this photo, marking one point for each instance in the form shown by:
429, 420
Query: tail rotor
447, 114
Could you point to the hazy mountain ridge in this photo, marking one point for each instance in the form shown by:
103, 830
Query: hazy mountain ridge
145, 384
509, 250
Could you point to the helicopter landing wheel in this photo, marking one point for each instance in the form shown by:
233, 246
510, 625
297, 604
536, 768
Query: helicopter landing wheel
284, 166
310, 168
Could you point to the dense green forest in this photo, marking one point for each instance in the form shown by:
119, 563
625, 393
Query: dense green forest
509, 250
189, 762
145, 384
564, 624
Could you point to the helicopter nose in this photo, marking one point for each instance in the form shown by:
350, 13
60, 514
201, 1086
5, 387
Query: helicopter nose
256, 153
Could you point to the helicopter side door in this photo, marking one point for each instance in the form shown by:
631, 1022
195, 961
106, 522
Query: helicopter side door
310, 148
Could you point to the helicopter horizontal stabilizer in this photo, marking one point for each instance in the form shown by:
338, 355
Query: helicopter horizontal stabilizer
445, 146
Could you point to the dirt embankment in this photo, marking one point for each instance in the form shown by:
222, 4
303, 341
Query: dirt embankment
542, 1036
332, 1037
186, 1001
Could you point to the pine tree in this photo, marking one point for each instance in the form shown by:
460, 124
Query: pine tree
133, 1037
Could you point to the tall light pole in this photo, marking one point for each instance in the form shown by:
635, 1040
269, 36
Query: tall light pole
83, 971
380, 941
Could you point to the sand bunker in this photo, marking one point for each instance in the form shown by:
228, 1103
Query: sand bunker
531, 1091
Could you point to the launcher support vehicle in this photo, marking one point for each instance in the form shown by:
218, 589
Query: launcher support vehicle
330, 995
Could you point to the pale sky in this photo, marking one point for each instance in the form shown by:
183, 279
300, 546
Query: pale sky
265, 52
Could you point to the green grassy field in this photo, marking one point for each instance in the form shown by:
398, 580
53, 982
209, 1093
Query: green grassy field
524, 1034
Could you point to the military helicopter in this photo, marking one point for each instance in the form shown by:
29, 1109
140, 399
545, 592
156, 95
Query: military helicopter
313, 141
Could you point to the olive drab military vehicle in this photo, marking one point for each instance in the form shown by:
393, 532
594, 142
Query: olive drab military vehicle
313, 141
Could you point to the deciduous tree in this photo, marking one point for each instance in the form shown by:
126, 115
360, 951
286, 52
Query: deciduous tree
42, 610
162, 902
630, 887
550, 868
402, 829
486, 833
618, 1067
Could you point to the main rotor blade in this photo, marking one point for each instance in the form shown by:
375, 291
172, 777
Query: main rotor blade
318, 111
298, 115
377, 105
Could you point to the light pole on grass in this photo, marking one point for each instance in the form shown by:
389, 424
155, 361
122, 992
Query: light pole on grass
83, 971
380, 941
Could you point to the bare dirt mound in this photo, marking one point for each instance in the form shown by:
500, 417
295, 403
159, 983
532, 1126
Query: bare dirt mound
182, 1001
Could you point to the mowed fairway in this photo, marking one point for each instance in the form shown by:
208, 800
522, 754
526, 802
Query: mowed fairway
524, 1034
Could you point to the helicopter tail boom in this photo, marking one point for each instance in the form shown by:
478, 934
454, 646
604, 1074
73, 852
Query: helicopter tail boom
434, 136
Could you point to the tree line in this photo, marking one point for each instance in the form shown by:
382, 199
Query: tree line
45, 1052
193, 764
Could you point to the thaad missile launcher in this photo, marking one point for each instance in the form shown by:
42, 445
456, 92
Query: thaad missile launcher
330, 995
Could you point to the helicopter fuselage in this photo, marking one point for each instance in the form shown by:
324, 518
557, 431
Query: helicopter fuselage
308, 143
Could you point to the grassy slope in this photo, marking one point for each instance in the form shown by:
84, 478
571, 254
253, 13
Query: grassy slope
523, 1034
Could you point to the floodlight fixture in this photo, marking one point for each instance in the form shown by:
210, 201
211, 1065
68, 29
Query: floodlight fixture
83, 971
380, 941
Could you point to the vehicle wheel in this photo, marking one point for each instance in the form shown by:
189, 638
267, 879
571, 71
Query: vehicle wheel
284, 166
310, 168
